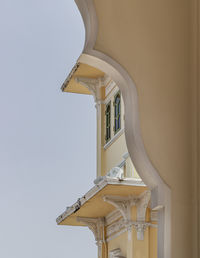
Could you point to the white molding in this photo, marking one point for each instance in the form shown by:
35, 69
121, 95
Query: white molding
142, 203
96, 225
116, 235
154, 215
107, 80
115, 227
110, 96
140, 228
113, 139
110, 87
116, 253
113, 216
88, 13
153, 225
120, 226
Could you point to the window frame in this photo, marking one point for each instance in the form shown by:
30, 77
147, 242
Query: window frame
118, 115
108, 122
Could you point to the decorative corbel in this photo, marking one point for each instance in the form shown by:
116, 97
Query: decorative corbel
93, 85
123, 204
96, 225
142, 204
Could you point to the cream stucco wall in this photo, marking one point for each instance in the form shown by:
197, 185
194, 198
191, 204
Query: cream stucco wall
119, 242
113, 154
151, 40
131, 246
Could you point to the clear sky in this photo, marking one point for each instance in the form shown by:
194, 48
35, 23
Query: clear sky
47, 138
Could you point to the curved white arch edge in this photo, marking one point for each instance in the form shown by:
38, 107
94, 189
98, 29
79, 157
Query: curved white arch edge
161, 193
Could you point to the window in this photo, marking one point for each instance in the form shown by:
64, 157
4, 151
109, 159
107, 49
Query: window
108, 122
117, 113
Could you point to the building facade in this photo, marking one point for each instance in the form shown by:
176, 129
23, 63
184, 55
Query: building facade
151, 50
117, 209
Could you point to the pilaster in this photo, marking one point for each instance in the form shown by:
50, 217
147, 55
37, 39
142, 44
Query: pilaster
96, 225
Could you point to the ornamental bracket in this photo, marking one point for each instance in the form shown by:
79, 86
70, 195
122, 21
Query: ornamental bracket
93, 85
96, 225
123, 204
142, 204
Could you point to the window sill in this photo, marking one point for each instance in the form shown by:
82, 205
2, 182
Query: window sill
115, 137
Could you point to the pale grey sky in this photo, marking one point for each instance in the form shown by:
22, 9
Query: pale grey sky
47, 138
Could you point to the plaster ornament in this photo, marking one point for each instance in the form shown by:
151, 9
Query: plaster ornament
123, 204
116, 253
140, 228
142, 204
93, 85
96, 225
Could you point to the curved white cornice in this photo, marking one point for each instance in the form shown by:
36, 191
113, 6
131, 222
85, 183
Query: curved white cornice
160, 192
88, 13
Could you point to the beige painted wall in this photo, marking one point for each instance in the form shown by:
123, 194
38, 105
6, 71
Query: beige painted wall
119, 242
113, 155
151, 40
133, 247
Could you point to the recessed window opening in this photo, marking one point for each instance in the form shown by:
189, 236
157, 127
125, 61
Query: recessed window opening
108, 122
117, 108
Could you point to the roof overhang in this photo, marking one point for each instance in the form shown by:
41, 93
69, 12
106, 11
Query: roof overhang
80, 70
92, 205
